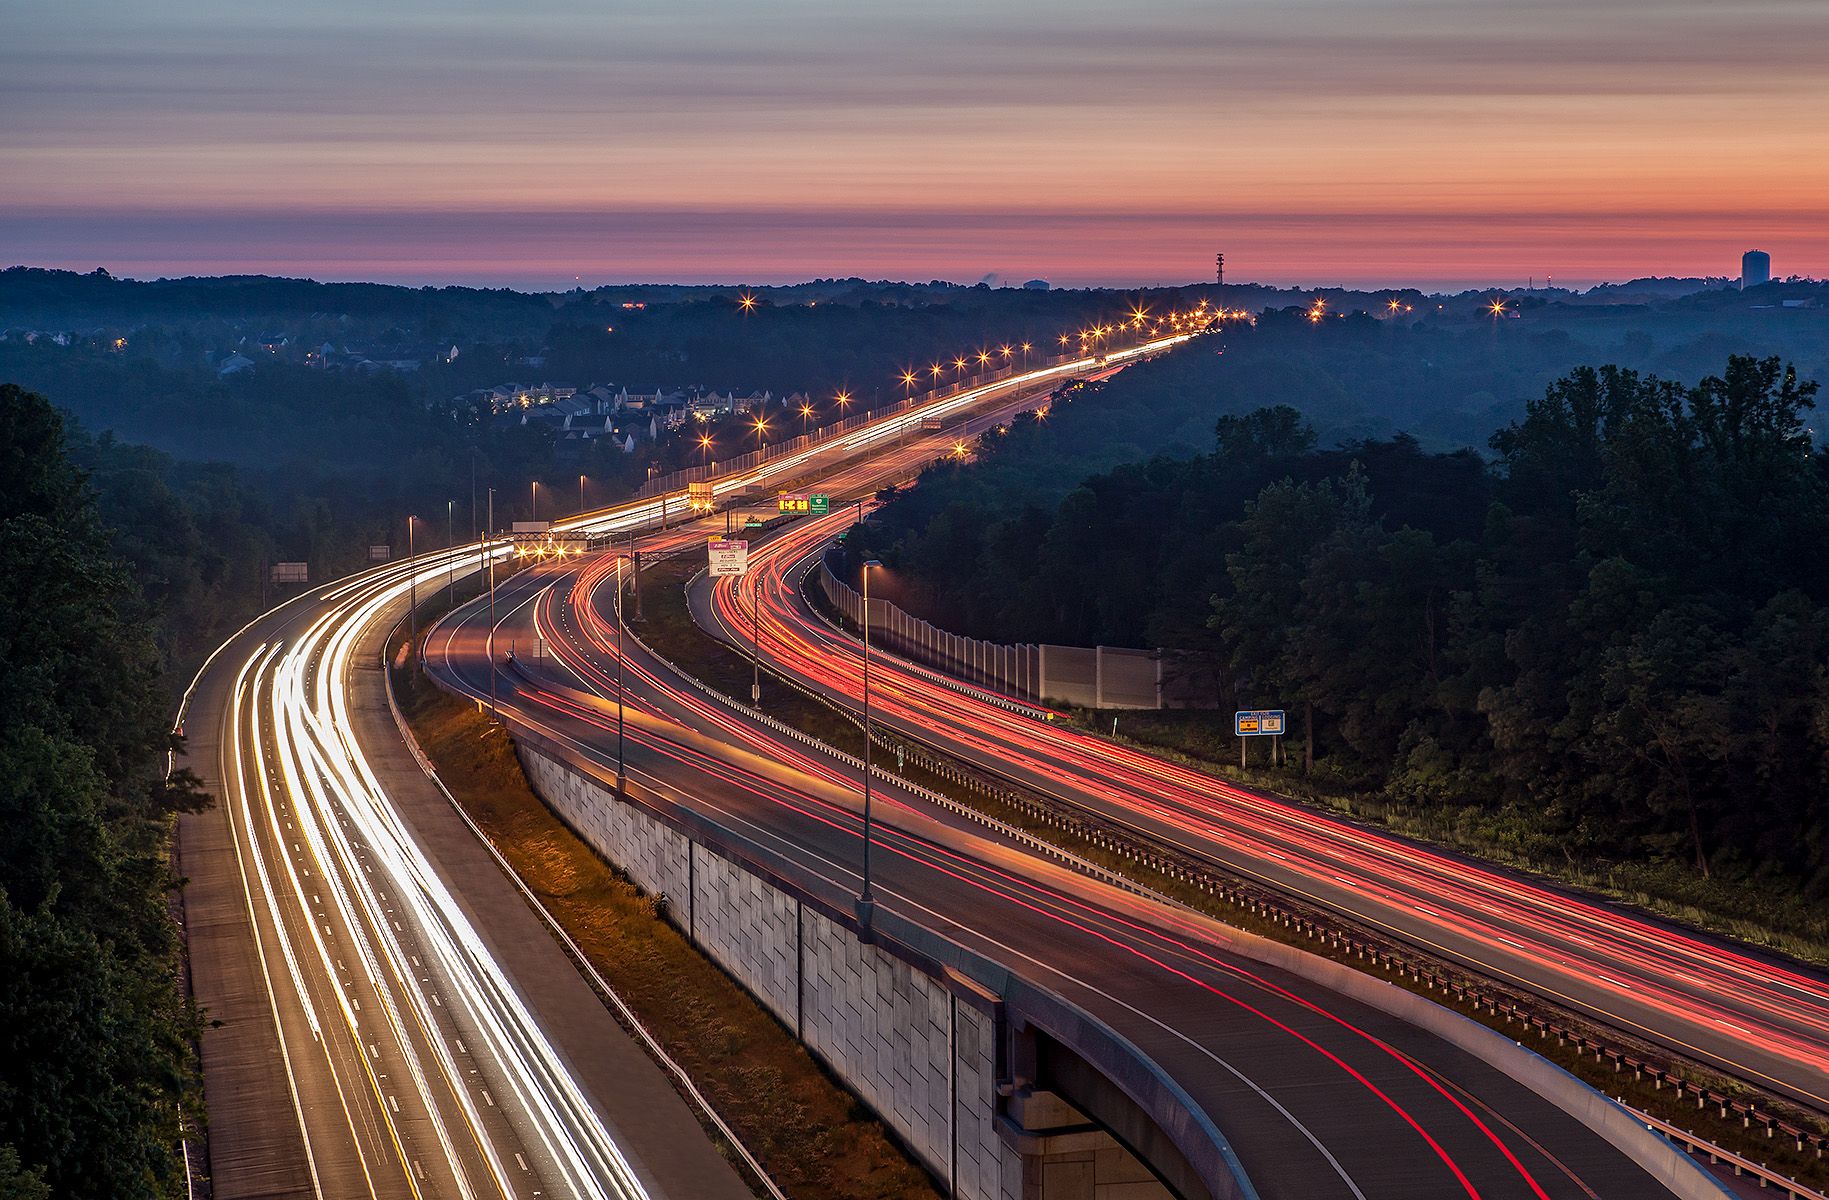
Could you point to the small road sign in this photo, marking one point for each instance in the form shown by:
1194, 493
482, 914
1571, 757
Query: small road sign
1266, 722
728, 556
819, 504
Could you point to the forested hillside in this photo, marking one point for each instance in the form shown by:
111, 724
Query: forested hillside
94, 1031
1613, 639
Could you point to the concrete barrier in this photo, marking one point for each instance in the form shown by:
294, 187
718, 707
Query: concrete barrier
909, 1020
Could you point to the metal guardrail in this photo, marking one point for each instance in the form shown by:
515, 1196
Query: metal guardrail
1696, 1146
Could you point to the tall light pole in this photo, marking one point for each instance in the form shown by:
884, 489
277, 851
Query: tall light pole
755, 637
581, 494
620, 776
535, 515
866, 901
412, 582
494, 716
450, 558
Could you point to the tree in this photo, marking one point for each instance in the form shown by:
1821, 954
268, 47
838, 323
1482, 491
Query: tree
93, 1034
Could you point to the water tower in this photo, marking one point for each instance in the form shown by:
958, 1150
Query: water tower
1755, 269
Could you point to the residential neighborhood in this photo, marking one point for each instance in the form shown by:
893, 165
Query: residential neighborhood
578, 417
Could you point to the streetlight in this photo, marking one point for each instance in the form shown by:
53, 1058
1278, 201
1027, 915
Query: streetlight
704, 450
580, 493
761, 428
535, 515
755, 637
412, 582
450, 558
866, 903
619, 664
806, 410
494, 716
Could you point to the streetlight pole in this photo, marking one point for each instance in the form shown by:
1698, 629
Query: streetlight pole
581, 494
412, 581
620, 776
866, 901
535, 515
494, 715
450, 558
755, 637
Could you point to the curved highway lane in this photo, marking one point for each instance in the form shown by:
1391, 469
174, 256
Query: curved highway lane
1756, 1015
413, 1063
1321, 1096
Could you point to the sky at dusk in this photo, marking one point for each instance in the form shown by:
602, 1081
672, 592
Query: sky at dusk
545, 144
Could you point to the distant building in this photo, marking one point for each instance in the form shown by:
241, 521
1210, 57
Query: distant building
1755, 268
1036, 285
234, 364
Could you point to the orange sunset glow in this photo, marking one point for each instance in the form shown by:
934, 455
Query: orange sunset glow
1370, 142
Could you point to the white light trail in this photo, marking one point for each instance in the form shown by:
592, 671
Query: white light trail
380, 885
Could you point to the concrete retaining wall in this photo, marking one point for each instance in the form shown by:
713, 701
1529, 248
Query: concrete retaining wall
906, 1041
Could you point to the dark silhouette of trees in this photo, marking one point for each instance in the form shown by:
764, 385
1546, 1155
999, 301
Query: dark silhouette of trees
94, 1034
1614, 633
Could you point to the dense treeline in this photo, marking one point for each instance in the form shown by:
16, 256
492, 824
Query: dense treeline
94, 1033
1615, 636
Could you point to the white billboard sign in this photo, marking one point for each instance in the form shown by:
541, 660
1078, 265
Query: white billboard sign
728, 557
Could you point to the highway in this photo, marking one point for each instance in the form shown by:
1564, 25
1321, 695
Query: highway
392, 1013
409, 1062
1758, 1016
1320, 1096
389, 1017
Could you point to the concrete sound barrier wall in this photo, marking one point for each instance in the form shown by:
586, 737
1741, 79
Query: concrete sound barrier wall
927, 1033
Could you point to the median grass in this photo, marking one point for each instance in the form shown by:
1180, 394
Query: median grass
814, 1139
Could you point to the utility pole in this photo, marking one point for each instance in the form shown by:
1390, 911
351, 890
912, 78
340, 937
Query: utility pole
1219, 269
